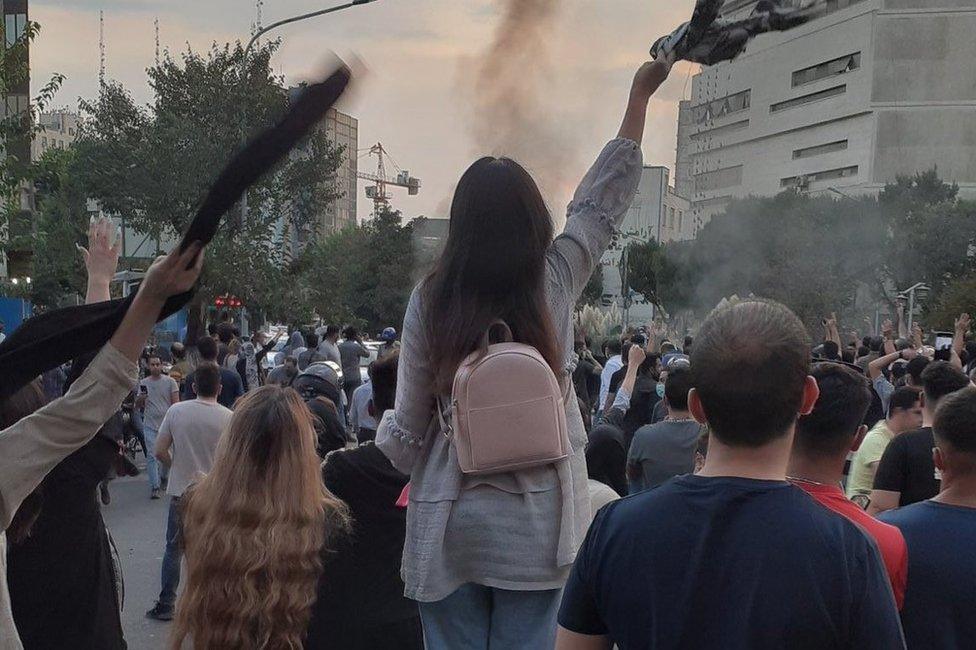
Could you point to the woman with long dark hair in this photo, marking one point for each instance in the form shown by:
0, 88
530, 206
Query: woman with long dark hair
486, 556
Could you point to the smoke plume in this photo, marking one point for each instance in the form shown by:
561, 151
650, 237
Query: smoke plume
513, 110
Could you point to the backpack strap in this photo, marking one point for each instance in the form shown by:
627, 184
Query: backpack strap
446, 428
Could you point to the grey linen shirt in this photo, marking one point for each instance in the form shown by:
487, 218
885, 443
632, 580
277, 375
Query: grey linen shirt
519, 530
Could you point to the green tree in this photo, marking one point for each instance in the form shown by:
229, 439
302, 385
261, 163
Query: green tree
61, 223
151, 165
812, 254
364, 275
932, 233
593, 291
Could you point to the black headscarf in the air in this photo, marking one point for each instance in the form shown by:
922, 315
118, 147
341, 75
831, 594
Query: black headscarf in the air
53, 338
708, 40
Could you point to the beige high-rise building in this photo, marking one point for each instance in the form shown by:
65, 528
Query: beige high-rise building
56, 131
870, 90
343, 130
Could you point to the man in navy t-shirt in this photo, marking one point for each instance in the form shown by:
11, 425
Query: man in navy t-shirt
735, 557
941, 536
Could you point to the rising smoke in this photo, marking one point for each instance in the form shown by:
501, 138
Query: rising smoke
513, 109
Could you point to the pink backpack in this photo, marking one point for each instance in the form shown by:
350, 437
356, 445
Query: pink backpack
507, 410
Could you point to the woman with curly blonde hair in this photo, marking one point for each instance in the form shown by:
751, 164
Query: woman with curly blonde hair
255, 530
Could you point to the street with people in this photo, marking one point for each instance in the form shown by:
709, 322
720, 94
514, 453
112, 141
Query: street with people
518, 429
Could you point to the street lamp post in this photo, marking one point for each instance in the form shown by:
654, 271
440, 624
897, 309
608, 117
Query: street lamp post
917, 288
295, 19
264, 30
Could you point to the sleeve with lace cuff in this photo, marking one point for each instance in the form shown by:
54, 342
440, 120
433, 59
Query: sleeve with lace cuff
596, 211
400, 446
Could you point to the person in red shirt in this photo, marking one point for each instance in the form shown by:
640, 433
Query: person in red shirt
823, 440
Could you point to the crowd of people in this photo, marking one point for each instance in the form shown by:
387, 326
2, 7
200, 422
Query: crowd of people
744, 488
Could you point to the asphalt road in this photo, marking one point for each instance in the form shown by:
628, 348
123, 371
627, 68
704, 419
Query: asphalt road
138, 526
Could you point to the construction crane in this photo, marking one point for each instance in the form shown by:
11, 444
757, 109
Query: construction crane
379, 193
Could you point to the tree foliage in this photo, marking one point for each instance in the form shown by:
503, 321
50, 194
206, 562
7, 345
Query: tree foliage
819, 255
364, 275
151, 166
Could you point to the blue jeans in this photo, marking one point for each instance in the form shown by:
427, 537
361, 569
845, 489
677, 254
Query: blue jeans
476, 617
154, 469
152, 465
172, 556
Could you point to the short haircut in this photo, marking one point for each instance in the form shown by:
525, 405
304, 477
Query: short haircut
207, 347
904, 398
311, 339
940, 379
677, 386
847, 356
876, 344
206, 378
845, 396
916, 367
154, 355
350, 332
749, 368
668, 347
225, 332
384, 381
292, 360
863, 351
955, 420
613, 346
831, 350
331, 330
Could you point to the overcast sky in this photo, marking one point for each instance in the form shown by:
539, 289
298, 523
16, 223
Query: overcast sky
420, 54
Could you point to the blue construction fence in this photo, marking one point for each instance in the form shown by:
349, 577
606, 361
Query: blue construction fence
14, 311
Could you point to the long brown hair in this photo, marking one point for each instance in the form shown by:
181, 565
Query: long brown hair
255, 530
493, 267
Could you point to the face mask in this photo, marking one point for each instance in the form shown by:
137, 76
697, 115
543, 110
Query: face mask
660, 391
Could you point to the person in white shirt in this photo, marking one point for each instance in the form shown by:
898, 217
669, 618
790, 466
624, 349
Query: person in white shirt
614, 363
186, 445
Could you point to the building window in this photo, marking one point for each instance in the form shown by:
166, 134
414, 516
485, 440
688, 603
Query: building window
721, 130
71, 131
837, 5
819, 150
838, 66
44, 143
719, 179
14, 25
808, 99
829, 175
722, 107
671, 220
681, 219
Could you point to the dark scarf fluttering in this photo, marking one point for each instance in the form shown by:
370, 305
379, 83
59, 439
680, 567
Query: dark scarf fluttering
708, 40
53, 338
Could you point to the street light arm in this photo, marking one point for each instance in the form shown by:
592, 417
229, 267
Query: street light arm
294, 19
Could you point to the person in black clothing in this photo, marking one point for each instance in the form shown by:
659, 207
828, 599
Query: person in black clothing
62, 572
360, 602
586, 373
606, 459
230, 381
906, 473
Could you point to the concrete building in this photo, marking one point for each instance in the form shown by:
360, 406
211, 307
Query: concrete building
869, 90
56, 131
343, 130
659, 213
